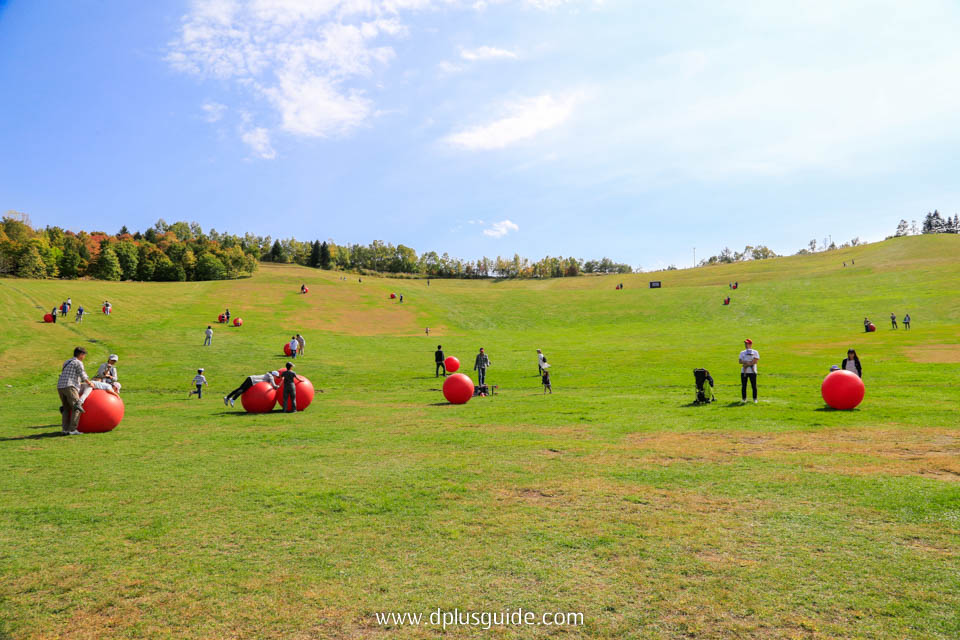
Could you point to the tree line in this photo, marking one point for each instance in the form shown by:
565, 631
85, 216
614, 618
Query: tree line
933, 222
165, 253
384, 257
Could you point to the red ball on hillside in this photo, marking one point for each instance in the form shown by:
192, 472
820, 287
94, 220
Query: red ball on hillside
48, 317
305, 392
238, 322
103, 308
392, 296
458, 389
102, 412
260, 398
451, 363
872, 327
842, 390
221, 318
306, 289
286, 349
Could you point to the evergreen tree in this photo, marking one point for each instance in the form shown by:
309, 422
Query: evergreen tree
903, 229
108, 265
315, 254
70, 263
127, 255
324, 255
123, 231
276, 253
30, 264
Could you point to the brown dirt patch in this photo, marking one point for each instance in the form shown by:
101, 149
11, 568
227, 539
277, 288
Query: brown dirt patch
934, 353
928, 452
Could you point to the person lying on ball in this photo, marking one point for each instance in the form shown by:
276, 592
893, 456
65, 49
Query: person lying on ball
87, 388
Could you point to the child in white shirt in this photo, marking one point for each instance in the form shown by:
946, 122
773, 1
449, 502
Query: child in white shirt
198, 380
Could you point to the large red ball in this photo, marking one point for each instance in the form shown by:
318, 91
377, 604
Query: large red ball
260, 398
872, 327
451, 363
458, 389
842, 389
102, 412
48, 317
238, 322
286, 349
392, 296
305, 393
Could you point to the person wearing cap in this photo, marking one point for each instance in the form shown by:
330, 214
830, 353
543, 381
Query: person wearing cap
208, 336
852, 363
749, 358
72, 375
198, 380
249, 382
541, 360
108, 370
289, 380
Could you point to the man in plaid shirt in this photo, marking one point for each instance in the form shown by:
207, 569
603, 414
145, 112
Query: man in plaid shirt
68, 386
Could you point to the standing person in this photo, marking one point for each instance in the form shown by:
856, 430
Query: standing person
54, 314
441, 363
866, 325
480, 366
303, 288
72, 375
198, 380
63, 309
748, 360
401, 297
79, 313
249, 382
294, 346
906, 322
208, 336
108, 370
540, 360
289, 380
226, 314
546, 382
69, 303
893, 320
852, 363
427, 330
300, 344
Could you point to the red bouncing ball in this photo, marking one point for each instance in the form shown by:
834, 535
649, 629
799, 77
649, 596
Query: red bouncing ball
842, 390
260, 398
102, 412
458, 389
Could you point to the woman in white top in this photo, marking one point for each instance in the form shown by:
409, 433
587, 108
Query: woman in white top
852, 363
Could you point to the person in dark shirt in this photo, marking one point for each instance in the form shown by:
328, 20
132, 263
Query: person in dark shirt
852, 363
546, 382
289, 380
441, 365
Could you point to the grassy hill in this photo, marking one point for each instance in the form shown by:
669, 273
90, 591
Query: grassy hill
613, 497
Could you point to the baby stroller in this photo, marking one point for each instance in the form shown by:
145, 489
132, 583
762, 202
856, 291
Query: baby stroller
704, 393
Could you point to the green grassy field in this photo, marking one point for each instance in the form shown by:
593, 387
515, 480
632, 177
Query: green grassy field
613, 497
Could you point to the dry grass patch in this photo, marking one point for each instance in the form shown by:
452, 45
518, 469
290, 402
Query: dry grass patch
931, 452
934, 353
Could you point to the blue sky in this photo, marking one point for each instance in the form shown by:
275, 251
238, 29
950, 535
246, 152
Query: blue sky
630, 129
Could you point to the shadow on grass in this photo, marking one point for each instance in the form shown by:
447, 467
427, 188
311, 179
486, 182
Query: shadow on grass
36, 436
45, 426
832, 410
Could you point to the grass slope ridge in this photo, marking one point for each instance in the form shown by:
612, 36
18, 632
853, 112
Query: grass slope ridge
612, 497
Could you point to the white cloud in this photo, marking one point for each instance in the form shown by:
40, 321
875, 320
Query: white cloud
487, 53
500, 229
523, 119
213, 111
305, 59
259, 141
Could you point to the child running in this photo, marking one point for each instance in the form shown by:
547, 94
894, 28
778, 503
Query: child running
546, 382
198, 380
